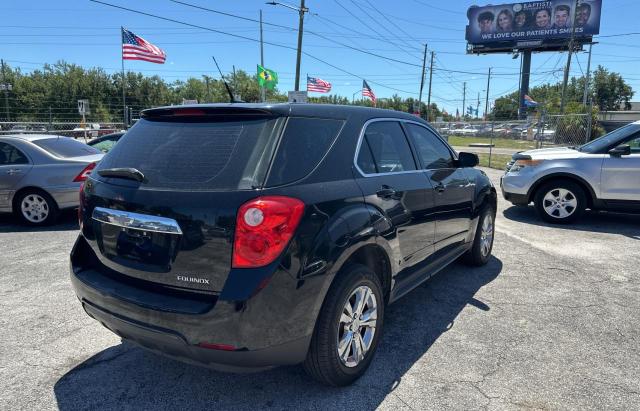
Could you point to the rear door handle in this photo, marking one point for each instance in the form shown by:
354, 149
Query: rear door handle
386, 192
440, 188
13, 171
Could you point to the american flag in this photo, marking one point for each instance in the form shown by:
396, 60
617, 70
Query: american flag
318, 85
367, 92
137, 48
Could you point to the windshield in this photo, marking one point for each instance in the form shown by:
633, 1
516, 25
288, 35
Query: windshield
65, 147
614, 138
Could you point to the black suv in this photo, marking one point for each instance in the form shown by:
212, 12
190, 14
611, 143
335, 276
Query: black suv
251, 235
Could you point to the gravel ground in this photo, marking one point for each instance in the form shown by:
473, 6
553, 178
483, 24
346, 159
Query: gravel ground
552, 322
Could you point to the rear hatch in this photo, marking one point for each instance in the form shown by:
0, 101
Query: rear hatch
176, 226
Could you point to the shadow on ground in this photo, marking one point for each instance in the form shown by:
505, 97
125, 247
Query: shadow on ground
592, 221
125, 376
68, 220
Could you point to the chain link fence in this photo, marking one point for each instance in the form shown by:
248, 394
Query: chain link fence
69, 129
496, 141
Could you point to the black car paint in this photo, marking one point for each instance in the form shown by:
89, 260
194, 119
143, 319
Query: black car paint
272, 310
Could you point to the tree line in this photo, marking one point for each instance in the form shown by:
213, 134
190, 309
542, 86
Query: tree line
51, 93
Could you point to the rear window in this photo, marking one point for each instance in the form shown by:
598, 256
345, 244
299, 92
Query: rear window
227, 154
65, 147
304, 143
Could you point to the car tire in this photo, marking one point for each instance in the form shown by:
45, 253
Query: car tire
35, 207
324, 363
480, 251
560, 201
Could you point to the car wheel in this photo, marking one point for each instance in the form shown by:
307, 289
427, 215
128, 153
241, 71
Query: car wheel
480, 250
348, 328
560, 202
35, 207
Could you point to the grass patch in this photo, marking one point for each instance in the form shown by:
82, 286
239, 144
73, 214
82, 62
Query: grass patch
498, 161
498, 142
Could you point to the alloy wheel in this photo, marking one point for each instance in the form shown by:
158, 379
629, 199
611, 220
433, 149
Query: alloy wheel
560, 203
486, 235
357, 326
34, 208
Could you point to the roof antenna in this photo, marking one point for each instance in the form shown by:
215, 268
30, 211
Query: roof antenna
233, 99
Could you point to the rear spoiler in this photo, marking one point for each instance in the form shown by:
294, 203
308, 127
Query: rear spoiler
204, 111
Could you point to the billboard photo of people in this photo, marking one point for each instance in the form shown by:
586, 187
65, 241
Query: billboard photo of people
535, 20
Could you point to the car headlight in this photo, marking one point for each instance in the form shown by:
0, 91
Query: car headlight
521, 164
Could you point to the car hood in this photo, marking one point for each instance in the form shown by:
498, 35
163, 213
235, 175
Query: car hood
552, 153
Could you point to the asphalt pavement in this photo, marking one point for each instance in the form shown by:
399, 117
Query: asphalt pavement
552, 322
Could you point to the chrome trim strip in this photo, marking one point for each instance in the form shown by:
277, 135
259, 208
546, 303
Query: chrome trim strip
399, 120
136, 221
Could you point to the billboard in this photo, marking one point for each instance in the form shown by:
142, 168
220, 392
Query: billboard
532, 24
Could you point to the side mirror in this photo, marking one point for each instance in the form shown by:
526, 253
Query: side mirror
468, 160
621, 150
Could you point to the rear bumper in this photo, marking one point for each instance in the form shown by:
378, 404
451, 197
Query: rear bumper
271, 327
173, 345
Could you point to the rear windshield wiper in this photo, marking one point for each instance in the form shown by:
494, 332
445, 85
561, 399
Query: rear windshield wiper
128, 173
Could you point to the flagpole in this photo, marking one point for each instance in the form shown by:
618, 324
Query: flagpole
124, 104
263, 93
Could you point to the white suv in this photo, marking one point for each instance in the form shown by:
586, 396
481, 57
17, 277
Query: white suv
562, 182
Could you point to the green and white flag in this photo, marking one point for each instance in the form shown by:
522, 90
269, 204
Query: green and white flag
267, 78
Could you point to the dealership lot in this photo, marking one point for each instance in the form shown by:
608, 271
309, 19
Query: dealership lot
553, 321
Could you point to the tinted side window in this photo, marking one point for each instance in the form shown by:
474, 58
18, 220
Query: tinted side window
389, 147
304, 143
10, 155
432, 151
365, 159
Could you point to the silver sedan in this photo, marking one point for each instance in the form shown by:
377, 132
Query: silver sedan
41, 175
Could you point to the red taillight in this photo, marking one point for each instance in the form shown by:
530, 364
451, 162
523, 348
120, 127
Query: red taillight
84, 173
223, 347
264, 227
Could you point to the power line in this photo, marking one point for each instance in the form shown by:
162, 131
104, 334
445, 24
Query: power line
255, 40
364, 11
268, 24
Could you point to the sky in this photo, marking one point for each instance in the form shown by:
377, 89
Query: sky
88, 34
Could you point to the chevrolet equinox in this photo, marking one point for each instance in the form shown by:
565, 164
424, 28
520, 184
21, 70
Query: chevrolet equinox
246, 236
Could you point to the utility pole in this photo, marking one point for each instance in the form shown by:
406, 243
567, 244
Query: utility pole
430, 78
5, 87
568, 66
206, 80
235, 82
525, 74
477, 105
262, 89
300, 30
586, 81
424, 62
301, 10
464, 99
486, 103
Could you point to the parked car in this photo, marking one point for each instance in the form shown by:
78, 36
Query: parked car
41, 175
39, 128
106, 142
19, 128
469, 130
563, 182
91, 130
247, 236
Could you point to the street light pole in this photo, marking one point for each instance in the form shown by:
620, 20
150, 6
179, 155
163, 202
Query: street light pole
301, 10
300, 30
